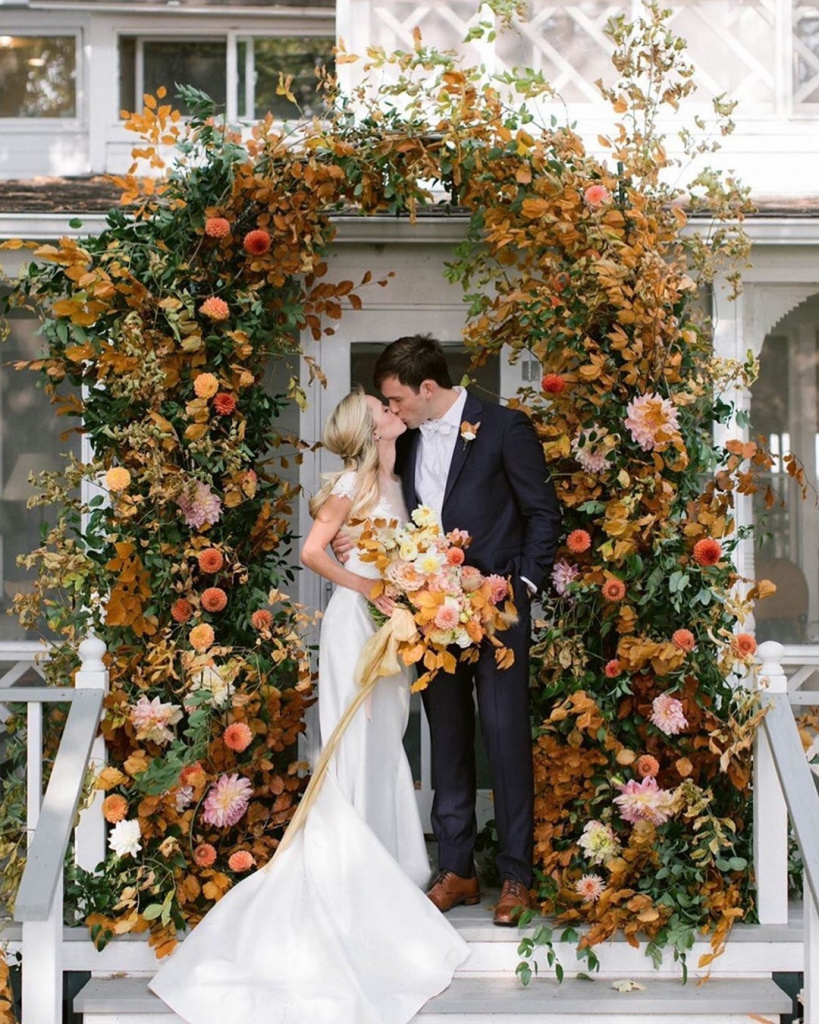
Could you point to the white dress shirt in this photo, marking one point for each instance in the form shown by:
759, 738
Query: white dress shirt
438, 440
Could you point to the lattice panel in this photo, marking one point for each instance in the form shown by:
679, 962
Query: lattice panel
805, 56
443, 24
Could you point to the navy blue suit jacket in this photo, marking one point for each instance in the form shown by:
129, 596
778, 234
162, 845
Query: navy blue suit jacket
498, 490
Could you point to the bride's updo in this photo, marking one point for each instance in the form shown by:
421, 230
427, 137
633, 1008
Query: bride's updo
350, 433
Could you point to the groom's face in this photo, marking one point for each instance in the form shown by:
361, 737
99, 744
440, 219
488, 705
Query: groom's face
410, 405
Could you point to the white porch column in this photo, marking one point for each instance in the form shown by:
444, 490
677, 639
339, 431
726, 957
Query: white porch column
89, 835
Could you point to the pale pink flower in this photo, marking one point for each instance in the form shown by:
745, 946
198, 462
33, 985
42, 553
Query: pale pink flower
458, 537
589, 449
563, 573
471, 579
667, 714
227, 800
200, 508
498, 588
652, 421
599, 842
448, 615
184, 798
644, 801
152, 719
404, 576
590, 887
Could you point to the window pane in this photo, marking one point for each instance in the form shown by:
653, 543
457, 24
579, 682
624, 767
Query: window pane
261, 61
30, 443
197, 62
38, 76
785, 409
806, 55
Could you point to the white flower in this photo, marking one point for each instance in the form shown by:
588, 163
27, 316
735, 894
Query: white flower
425, 516
124, 838
152, 719
218, 682
428, 563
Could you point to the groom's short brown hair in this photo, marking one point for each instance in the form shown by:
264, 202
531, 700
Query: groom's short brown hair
413, 359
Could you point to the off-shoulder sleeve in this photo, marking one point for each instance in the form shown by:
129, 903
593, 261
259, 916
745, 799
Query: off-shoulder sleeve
344, 487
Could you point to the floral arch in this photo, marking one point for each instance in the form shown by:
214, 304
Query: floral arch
167, 319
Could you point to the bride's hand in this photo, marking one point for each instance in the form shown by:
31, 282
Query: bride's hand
384, 604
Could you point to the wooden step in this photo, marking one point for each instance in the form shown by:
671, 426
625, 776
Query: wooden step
505, 1001
752, 950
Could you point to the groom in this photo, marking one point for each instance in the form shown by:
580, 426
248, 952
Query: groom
482, 467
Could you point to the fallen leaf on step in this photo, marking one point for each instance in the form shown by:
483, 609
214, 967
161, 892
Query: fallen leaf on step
628, 986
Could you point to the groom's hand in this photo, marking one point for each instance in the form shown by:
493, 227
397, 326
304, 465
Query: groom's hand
342, 545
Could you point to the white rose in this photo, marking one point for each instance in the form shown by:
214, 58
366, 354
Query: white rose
124, 838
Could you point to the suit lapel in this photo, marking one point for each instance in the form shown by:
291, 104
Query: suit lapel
472, 414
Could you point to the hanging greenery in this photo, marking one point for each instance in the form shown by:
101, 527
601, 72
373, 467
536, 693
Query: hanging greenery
157, 333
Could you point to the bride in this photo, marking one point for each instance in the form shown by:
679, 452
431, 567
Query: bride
335, 929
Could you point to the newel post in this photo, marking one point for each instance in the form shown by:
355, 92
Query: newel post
89, 835
770, 810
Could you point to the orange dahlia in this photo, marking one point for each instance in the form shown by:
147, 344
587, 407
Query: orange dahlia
257, 242
224, 403
646, 765
744, 644
552, 383
201, 637
614, 590
215, 308
114, 808
684, 639
261, 619
238, 736
117, 478
217, 227
210, 560
612, 668
578, 541
242, 860
181, 610
205, 385
214, 599
204, 855
707, 551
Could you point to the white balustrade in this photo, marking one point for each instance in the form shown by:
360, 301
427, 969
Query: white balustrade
50, 818
770, 811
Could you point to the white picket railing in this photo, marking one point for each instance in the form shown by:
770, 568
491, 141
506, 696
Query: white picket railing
49, 822
784, 787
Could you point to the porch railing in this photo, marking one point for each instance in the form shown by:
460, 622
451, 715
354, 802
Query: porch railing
785, 787
50, 819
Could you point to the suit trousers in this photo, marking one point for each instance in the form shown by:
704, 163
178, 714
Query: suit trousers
503, 710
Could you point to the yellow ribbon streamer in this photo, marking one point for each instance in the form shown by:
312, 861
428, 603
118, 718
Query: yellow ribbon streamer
378, 659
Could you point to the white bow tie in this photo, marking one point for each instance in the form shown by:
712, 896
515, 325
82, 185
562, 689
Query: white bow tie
433, 427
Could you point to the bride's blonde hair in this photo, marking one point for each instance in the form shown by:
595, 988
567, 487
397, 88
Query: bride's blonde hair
350, 433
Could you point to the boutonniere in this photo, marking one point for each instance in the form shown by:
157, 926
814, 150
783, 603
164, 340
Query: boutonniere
469, 431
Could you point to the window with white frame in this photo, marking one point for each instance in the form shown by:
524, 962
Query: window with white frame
147, 62
805, 56
38, 76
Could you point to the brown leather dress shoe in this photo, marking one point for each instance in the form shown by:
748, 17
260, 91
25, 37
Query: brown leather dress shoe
449, 890
514, 899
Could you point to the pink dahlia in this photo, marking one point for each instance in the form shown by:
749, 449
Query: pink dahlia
227, 800
448, 615
644, 801
590, 887
201, 508
238, 736
652, 421
563, 573
667, 714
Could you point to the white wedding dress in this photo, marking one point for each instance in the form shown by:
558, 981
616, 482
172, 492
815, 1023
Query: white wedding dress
336, 930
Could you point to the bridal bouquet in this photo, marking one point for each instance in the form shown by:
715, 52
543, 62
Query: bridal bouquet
442, 603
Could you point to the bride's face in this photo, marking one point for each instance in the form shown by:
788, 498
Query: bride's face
387, 424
